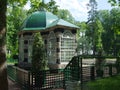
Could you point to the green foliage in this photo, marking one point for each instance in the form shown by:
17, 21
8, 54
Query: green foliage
19, 3
98, 34
38, 4
39, 61
66, 15
94, 34
114, 2
111, 34
52, 7
35, 3
92, 10
15, 16
103, 28
83, 43
95, 28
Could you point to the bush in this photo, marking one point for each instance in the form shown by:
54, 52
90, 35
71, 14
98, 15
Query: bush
39, 61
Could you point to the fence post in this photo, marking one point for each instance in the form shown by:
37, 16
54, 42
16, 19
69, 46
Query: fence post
28, 81
16, 74
81, 73
92, 73
110, 69
78, 68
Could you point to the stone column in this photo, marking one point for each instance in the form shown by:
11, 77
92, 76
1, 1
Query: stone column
58, 49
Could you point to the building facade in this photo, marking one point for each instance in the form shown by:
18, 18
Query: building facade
59, 37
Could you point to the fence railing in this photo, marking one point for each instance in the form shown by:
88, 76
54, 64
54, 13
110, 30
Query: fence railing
90, 72
47, 79
41, 80
18, 75
72, 70
79, 69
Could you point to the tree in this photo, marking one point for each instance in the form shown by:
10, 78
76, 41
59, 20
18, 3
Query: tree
114, 2
84, 46
38, 54
39, 61
15, 16
98, 35
115, 29
111, 24
3, 67
91, 22
39, 4
95, 36
104, 17
52, 7
92, 6
66, 15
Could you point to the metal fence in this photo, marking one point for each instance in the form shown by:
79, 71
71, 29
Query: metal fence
42, 80
18, 75
90, 72
47, 79
80, 68
73, 69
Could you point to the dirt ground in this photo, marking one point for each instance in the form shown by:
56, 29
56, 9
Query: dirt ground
12, 85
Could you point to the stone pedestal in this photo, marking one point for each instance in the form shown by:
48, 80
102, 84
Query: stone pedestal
73, 85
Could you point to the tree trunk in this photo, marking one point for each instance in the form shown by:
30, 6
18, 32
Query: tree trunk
3, 67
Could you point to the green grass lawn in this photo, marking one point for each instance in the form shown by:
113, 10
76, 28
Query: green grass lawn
111, 83
11, 61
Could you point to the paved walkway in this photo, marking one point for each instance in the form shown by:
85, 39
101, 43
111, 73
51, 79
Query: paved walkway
12, 85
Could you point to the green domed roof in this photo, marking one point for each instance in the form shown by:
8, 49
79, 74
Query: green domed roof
41, 20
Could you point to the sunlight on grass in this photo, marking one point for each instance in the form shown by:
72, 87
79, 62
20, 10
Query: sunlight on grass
11, 61
111, 83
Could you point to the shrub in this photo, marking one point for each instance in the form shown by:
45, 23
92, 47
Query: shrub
39, 61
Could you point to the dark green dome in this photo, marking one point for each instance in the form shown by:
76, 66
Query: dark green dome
41, 20
36, 20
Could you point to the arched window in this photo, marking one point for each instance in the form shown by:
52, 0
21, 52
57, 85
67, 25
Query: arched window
51, 48
67, 46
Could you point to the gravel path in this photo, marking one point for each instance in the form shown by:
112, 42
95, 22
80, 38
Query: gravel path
13, 86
